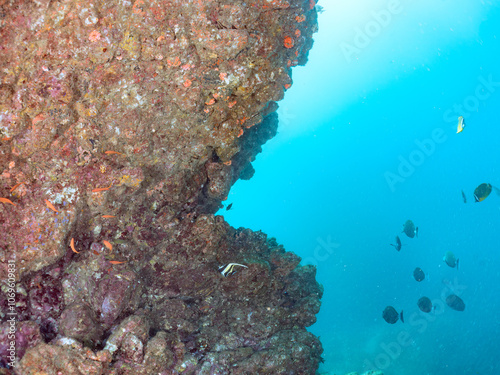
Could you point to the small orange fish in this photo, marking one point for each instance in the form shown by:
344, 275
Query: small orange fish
108, 245
15, 186
108, 216
5, 200
96, 253
116, 262
50, 205
101, 189
72, 244
113, 152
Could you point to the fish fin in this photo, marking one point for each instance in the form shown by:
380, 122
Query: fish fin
396, 247
402, 317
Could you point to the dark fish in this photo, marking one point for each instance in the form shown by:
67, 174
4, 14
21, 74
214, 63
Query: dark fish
398, 244
418, 274
409, 229
450, 259
464, 197
483, 190
391, 316
425, 304
455, 302
229, 206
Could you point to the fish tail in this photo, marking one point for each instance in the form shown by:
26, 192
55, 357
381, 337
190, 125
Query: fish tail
402, 317
457, 263
497, 190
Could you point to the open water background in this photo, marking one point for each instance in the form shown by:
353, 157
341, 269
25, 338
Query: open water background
367, 139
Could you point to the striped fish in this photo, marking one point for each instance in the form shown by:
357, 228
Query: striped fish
228, 269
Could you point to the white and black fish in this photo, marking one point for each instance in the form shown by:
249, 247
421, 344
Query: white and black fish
228, 269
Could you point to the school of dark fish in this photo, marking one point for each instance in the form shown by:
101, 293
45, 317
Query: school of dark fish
481, 192
390, 314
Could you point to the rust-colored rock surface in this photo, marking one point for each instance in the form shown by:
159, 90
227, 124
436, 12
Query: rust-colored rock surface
123, 126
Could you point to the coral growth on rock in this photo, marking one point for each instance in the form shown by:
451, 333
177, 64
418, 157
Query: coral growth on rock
123, 126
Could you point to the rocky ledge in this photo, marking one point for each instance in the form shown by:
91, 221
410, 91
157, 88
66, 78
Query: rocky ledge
123, 126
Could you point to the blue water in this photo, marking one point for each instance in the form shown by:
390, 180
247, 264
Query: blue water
328, 186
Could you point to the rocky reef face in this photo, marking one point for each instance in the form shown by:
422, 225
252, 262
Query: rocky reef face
123, 126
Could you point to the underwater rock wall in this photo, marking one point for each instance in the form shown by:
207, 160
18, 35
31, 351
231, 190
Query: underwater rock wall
123, 126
